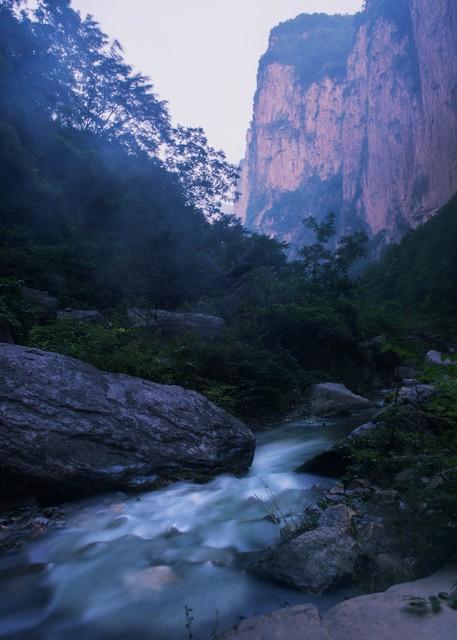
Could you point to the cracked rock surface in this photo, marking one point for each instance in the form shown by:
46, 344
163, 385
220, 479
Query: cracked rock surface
68, 429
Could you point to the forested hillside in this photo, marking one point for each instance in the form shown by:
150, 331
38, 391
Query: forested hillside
420, 273
105, 205
108, 207
88, 209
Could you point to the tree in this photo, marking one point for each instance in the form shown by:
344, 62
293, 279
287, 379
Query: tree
327, 272
209, 180
100, 93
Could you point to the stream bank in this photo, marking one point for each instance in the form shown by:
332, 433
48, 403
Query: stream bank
127, 566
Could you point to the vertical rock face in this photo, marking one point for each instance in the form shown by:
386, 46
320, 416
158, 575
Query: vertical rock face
355, 115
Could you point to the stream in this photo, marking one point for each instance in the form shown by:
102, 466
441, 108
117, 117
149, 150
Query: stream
126, 567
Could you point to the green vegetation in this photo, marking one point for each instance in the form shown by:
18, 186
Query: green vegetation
417, 277
434, 603
106, 206
396, 11
316, 45
416, 453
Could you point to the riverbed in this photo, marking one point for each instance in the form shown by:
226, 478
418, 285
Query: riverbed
143, 567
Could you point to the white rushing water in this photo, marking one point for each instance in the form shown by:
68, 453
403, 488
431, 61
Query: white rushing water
126, 567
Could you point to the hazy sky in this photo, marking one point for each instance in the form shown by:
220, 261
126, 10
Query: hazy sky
202, 55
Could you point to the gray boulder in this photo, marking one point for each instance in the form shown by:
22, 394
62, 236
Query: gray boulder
332, 399
315, 561
68, 429
340, 517
175, 324
45, 306
81, 315
302, 622
379, 616
367, 429
387, 616
415, 393
436, 357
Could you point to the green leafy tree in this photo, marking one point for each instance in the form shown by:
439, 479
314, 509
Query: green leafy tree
208, 179
100, 91
327, 272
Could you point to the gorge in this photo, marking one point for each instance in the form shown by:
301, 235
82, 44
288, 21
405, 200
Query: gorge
197, 424
355, 116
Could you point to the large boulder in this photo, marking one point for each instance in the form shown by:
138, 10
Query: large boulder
91, 316
436, 357
413, 392
380, 616
302, 622
388, 616
68, 429
331, 399
316, 561
174, 324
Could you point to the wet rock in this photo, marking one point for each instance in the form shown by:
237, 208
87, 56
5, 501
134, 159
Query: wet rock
81, 315
315, 561
339, 518
386, 616
151, 579
379, 616
293, 623
24, 519
415, 393
45, 306
332, 399
175, 324
436, 357
68, 429
364, 430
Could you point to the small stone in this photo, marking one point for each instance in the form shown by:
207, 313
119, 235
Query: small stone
339, 517
337, 489
152, 579
41, 521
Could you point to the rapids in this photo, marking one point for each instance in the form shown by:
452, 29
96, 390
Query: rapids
126, 567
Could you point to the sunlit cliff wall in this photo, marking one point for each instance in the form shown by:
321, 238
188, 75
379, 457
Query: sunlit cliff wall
358, 116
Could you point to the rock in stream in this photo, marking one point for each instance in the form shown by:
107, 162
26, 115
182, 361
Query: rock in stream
68, 429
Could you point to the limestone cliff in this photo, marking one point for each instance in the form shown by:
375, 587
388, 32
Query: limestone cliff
357, 115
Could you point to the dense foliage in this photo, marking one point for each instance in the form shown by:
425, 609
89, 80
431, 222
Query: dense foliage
418, 276
316, 45
106, 206
395, 11
87, 208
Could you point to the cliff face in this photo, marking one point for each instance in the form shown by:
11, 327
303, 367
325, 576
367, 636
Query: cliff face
358, 116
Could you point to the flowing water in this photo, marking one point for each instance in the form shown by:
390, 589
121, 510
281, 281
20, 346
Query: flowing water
127, 567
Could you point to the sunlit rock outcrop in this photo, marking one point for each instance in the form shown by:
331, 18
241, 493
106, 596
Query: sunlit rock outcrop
355, 115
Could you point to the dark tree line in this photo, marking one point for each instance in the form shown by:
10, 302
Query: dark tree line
101, 198
106, 205
79, 78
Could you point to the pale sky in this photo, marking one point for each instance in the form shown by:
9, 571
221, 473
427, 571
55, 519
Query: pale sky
202, 55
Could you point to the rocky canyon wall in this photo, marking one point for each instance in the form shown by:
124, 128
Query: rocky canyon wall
357, 116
